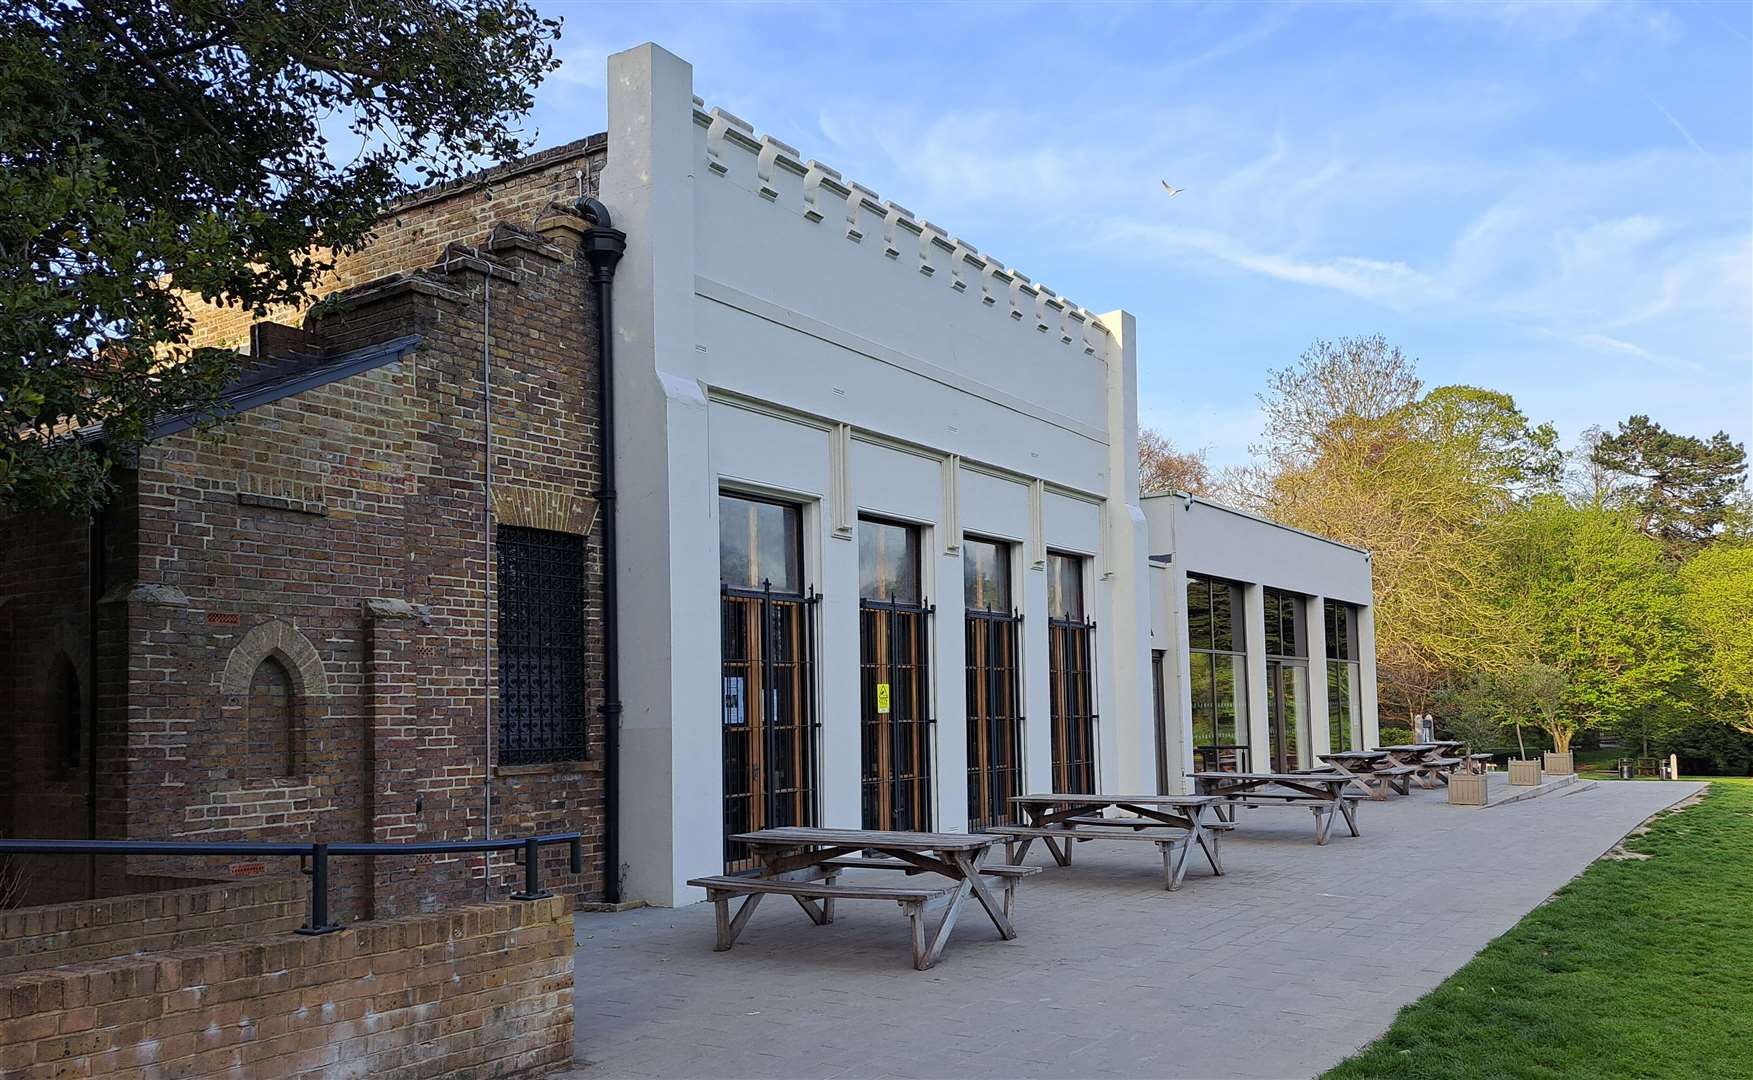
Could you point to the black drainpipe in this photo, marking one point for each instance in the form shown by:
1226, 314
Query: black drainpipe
602, 247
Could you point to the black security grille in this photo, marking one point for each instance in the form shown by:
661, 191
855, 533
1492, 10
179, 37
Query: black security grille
541, 646
1071, 648
895, 676
768, 715
995, 716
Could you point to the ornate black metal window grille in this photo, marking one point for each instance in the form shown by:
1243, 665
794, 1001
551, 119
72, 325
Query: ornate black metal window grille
1071, 648
540, 632
895, 678
995, 716
768, 715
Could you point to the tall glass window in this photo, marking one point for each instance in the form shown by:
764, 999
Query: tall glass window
994, 685
768, 720
1287, 681
1217, 664
895, 671
1071, 652
1344, 676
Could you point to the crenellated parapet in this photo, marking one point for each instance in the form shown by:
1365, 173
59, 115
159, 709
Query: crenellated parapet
778, 173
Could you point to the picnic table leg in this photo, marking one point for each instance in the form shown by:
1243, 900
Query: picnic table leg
1015, 851
1061, 855
729, 928
942, 936
1175, 864
1207, 840
1350, 811
977, 885
916, 917
1323, 822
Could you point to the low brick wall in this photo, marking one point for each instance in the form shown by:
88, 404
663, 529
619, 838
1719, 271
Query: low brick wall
35, 938
476, 991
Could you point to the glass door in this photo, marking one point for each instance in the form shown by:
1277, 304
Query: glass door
767, 635
895, 675
1287, 681
1287, 696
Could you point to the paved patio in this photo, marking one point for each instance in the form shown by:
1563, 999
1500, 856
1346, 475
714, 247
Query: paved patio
1256, 974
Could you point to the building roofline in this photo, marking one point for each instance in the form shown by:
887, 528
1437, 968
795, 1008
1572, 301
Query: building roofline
502, 172
248, 393
1202, 501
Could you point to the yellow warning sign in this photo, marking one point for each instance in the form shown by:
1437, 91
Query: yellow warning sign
882, 699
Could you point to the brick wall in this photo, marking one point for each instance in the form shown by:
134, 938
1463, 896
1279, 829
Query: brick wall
415, 234
479, 991
35, 938
295, 641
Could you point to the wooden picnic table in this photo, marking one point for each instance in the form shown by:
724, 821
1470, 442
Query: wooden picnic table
1375, 771
806, 863
1321, 792
1175, 823
1430, 760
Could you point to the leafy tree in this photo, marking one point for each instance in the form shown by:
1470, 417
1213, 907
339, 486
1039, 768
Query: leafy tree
1719, 610
1163, 469
1474, 712
1356, 449
153, 149
1681, 486
1594, 598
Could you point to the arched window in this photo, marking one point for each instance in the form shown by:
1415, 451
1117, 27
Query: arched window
67, 708
270, 720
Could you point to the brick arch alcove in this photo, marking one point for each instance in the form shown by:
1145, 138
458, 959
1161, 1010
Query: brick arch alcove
282, 642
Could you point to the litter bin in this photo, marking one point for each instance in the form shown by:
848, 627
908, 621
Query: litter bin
1627, 768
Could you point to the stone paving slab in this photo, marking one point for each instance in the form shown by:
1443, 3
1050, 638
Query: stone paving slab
1252, 975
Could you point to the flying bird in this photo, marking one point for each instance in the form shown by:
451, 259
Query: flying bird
1173, 191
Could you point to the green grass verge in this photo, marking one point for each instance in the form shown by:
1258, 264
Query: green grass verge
1635, 969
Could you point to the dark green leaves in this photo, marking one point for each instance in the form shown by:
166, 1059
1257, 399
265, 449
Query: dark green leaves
219, 148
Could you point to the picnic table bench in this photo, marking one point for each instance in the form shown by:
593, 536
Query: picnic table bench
1429, 760
807, 863
1320, 792
1375, 771
1176, 824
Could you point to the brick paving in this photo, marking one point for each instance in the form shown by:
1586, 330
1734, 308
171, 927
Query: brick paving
1293, 960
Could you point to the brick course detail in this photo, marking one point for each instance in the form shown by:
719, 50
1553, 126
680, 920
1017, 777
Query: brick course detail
478, 991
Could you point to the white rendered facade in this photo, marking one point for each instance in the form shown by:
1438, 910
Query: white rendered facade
783, 334
1195, 538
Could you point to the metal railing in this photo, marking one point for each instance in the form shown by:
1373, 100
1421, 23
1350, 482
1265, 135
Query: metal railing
314, 858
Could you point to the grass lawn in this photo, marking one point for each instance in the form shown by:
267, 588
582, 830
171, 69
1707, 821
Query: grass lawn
1636, 969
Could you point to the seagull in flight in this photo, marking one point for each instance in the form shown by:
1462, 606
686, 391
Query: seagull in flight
1173, 191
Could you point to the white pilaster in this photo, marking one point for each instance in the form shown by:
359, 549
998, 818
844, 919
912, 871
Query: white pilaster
671, 804
1366, 650
1259, 741
1320, 739
1128, 739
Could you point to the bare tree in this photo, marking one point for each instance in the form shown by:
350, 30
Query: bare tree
1163, 469
1336, 387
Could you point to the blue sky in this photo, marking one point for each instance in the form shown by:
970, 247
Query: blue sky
1554, 200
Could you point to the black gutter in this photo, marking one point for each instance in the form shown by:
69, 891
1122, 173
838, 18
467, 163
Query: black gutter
602, 247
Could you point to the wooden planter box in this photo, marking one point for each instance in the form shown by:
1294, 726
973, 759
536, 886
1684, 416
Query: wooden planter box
1524, 773
1467, 789
1560, 764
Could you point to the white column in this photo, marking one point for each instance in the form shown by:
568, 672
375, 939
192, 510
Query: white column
1178, 689
1320, 738
1128, 740
1254, 612
1037, 684
949, 674
1366, 651
837, 674
671, 808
